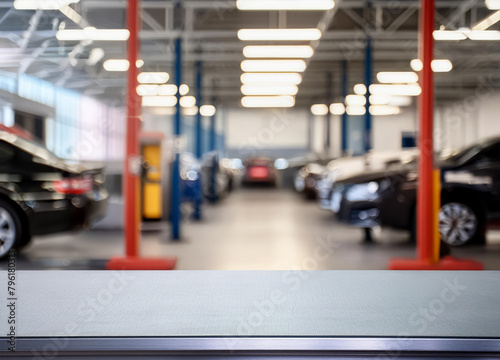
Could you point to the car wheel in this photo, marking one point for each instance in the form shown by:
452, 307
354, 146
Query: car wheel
11, 236
459, 224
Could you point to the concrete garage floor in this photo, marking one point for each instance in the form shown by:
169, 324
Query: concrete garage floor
253, 229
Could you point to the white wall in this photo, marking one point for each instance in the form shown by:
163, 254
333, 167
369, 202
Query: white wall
387, 130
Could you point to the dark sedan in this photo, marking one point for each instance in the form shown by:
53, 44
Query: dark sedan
470, 197
42, 194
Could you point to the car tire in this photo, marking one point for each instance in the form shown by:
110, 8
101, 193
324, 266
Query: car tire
12, 233
461, 224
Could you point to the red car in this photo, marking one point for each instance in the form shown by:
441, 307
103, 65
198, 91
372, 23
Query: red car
259, 170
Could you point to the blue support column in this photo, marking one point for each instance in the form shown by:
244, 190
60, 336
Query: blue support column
344, 115
215, 160
328, 117
198, 136
176, 191
368, 81
213, 129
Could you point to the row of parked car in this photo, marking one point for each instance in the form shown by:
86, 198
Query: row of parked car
379, 190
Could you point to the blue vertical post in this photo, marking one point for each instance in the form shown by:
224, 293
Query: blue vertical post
215, 160
368, 81
213, 129
198, 136
328, 117
344, 115
176, 191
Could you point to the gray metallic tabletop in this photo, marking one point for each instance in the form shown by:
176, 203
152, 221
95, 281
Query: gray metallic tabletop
253, 306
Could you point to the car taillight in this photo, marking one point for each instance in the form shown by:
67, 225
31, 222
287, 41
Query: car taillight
74, 186
258, 172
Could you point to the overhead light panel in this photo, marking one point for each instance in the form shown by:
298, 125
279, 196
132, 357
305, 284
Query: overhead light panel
452, 35
120, 64
273, 65
380, 110
277, 89
183, 89
153, 77
207, 110
493, 4
396, 90
167, 89
159, 101
93, 34
319, 109
397, 77
379, 99
337, 109
278, 51
279, 34
285, 4
147, 90
187, 101
355, 110
268, 101
355, 100
360, 89
437, 65
271, 78
399, 101
484, 35
42, 4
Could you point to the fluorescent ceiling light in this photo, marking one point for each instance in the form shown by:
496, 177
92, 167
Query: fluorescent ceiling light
484, 35
319, 109
397, 77
489, 21
189, 111
399, 101
42, 4
271, 78
355, 110
159, 101
441, 35
91, 33
380, 110
273, 65
285, 4
379, 99
277, 89
438, 65
116, 65
268, 101
278, 51
120, 64
183, 89
207, 110
360, 89
337, 109
355, 100
147, 90
153, 77
398, 90
279, 34
166, 90
493, 4
187, 101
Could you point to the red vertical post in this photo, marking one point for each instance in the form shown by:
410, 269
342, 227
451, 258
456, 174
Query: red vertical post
425, 228
132, 164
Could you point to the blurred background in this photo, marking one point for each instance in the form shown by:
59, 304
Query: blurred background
273, 134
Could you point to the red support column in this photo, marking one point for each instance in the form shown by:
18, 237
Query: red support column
426, 224
132, 166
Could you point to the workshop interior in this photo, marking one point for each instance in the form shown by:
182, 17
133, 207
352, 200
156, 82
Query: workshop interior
209, 179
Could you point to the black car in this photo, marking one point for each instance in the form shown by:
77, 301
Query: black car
470, 196
42, 194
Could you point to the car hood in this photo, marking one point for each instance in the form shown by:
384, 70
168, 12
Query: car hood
70, 166
377, 175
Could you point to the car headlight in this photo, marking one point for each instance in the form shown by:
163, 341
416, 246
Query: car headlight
363, 192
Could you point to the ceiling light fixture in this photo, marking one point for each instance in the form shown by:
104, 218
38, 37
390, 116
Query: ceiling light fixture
397, 90
273, 65
166, 90
279, 34
360, 89
187, 101
42, 4
282, 89
278, 51
159, 101
271, 78
268, 101
183, 89
437, 65
484, 35
493, 4
384, 110
119, 64
153, 77
147, 90
355, 100
207, 110
355, 110
397, 77
91, 33
337, 109
443, 35
285, 4
319, 109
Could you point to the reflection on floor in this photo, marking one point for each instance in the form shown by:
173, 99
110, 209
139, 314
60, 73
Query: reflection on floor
253, 229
